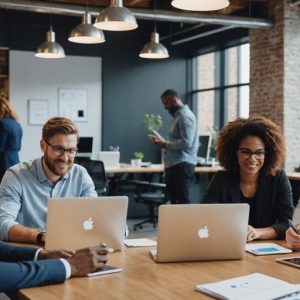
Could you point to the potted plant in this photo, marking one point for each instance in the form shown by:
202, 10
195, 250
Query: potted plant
152, 122
137, 160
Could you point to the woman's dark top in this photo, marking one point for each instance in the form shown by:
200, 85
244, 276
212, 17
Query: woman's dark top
273, 204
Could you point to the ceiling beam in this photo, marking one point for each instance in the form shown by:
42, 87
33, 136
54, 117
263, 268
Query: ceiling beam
158, 15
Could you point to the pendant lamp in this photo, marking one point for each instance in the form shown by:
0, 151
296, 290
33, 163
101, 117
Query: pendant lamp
50, 49
200, 5
154, 49
86, 33
116, 18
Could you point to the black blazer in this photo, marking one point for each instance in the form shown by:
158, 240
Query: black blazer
10, 144
18, 270
274, 204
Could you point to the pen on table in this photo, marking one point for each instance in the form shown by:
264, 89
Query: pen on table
293, 226
107, 250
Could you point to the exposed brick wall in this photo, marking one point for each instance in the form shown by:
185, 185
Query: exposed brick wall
275, 74
292, 84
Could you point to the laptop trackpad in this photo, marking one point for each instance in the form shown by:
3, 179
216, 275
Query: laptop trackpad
153, 254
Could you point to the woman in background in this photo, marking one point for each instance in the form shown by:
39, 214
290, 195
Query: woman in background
10, 136
252, 152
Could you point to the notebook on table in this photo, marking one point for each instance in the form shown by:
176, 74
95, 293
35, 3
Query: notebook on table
199, 232
74, 223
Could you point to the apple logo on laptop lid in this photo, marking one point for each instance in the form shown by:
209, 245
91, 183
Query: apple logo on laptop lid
88, 224
203, 233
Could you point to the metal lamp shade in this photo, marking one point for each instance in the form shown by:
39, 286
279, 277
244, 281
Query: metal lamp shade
50, 49
116, 18
154, 49
86, 33
200, 5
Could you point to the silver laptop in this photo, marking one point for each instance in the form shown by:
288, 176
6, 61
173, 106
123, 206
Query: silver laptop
110, 158
195, 232
74, 223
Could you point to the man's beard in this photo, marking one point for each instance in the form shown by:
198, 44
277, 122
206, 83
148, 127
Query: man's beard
52, 166
172, 110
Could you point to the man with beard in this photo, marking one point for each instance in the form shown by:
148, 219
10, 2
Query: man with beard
181, 148
26, 187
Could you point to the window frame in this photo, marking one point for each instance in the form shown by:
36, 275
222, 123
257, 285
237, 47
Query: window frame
221, 79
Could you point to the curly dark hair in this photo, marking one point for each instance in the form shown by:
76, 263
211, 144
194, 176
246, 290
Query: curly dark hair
232, 134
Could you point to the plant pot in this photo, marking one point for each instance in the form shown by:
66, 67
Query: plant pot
136, 162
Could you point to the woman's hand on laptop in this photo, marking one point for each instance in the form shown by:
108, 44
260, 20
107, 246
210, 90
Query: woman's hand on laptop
88, 260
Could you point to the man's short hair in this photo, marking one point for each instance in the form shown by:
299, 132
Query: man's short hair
169, 94
58, 125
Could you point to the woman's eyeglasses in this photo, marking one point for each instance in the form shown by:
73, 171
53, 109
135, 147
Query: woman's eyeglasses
246, 153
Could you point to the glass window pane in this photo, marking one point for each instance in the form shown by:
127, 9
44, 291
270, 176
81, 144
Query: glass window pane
237, 103
244, 102
244, 63
205, 111
206, 71
231, 95
232, 62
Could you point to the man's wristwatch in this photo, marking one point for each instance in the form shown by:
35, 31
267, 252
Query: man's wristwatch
40, 238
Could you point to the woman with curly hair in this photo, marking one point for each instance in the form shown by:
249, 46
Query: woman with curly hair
252, 151
10, 136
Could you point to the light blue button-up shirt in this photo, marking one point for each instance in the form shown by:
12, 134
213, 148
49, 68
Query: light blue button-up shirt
25, 190
182, 144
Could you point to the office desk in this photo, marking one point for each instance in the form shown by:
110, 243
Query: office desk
142, 278
154, 168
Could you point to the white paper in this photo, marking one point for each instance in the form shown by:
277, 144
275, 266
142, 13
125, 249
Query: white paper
254, 286
139, 243
266, 248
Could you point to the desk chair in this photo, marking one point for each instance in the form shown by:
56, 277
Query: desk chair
96, 170
151, 194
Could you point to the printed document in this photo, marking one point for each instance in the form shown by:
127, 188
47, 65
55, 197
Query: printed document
254, 286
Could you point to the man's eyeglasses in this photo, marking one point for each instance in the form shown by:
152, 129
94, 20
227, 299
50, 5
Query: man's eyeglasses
59, 151
246, 153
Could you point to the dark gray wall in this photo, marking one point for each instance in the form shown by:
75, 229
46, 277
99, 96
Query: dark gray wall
131, 85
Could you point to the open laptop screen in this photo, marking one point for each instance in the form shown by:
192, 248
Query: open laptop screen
74, 223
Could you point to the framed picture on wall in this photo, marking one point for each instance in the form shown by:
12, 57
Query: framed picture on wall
38, 111
73, 104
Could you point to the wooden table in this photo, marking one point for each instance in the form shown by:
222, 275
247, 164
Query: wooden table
142, 278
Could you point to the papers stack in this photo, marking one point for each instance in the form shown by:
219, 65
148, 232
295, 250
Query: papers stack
254, 286
139, 243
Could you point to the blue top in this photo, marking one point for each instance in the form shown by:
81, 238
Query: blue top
182, 145
10, 144
25, 190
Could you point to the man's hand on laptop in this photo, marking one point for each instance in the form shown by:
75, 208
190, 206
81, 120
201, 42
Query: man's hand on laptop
61, 253
88, 260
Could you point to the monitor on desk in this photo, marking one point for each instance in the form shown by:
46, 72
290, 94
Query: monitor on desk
85, 146
204, 146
